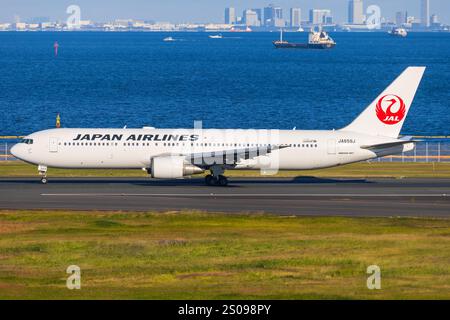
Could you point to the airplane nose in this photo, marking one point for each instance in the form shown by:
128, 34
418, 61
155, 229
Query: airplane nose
15, 151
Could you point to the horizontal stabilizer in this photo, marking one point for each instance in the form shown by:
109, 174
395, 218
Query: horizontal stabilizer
387, 145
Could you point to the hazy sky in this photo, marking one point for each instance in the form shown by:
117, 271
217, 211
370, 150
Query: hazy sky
196, 10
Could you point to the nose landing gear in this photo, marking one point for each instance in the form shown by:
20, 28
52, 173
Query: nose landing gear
43, 172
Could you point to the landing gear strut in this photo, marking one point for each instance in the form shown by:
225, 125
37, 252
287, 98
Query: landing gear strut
216, 178
43, 172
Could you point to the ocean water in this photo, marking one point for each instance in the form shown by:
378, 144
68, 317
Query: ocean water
240, 81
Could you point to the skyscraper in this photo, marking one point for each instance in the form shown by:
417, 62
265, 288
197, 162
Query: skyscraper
320, 16
250, 18
268, 15
425, 18
296, 17
273, 16
278, 12
355, 12
259, 14
400, 18
230, 16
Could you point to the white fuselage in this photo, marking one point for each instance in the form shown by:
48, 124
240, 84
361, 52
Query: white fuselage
134, 148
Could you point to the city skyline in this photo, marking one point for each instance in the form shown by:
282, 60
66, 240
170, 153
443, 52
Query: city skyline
203, 11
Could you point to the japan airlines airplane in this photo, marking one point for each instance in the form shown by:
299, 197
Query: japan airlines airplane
175, 153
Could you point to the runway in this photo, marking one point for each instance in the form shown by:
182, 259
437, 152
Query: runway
298, 196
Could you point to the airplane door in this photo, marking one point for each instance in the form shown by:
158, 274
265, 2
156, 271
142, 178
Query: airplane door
53, 145
331, 146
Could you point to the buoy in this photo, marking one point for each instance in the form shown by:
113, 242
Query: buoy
58, 121
56, 46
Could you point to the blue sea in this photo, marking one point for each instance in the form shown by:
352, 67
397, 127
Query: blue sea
240, 81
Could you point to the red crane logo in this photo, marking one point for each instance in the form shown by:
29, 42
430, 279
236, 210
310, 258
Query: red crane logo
391, 109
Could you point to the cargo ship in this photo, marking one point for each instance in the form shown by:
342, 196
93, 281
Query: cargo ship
316, 40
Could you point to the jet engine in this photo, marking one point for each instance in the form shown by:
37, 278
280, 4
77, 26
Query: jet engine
172, 167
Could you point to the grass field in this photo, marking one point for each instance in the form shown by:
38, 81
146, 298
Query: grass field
210, 256
396, 170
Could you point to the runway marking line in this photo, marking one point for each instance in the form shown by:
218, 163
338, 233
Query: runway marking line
441, 195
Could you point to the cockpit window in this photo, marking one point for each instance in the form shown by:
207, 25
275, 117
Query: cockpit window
27, 141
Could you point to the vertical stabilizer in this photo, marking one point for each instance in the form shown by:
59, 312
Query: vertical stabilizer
386, 114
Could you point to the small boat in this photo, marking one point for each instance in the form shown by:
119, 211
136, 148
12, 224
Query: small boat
316, 40
398, 32
300, 29
168, 39
216, 36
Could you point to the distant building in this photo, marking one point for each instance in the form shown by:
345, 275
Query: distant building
400, 18
296, 17
259, 14
268, 15
278, 12
320, 16
230, 16
434, 19
33, 26
5, 26
250, 18
47, 25
38, 20
278, 16
425, 13
273, 16
355, 12
20, 26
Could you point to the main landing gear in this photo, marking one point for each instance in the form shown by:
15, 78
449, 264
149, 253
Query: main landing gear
210, 180
43, 172
216, 178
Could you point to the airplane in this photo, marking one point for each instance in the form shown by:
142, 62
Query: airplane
177, 153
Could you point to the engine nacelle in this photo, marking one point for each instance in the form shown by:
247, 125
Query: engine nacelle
172, 167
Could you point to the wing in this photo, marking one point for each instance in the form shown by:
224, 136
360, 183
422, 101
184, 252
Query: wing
230, 157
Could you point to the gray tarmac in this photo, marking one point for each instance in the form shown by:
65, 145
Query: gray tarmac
299, 196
